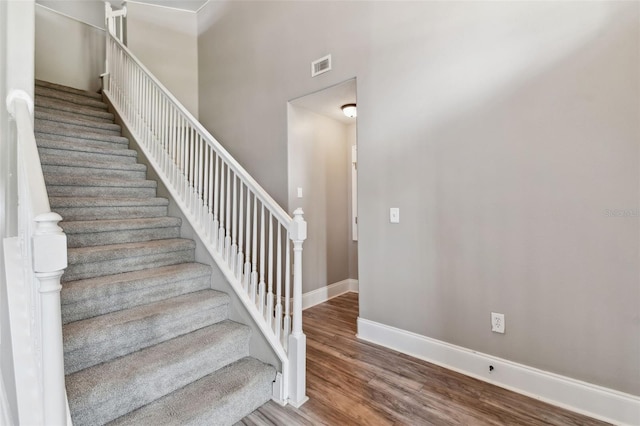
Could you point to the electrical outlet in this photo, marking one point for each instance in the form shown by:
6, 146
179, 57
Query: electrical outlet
497, 322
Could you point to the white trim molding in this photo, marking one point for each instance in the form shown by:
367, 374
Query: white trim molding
315, 297
595, 401
73, 18
5, 409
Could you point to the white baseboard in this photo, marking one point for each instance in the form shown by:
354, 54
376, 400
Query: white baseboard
323, 294
582, 397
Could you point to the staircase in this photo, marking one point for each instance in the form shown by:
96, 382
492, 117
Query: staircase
146, 340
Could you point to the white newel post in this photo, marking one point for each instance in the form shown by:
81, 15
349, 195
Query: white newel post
297, 339
105, 74
117, 29
49, 263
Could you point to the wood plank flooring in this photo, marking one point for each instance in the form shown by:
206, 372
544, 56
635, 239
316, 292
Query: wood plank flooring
351, 382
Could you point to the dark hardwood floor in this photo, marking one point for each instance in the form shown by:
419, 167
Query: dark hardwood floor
352, 382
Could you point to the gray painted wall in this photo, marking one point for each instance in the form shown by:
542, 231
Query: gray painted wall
166, 42
503, 131
318, 163
88, 11
68, 51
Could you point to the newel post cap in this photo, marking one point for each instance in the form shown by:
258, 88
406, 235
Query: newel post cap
298, 230
49, 244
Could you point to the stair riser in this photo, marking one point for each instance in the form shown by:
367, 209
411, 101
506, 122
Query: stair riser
84, 171
126, 397
70, 115
138, 335
62, 128
49, 118
88, 156
101, 304
69, 96
99, 191
90, 239
107, 141
79, 111
60, 88
224, 397
97, 213
64, 161
82, 270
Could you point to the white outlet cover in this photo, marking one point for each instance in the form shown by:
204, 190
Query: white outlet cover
497, 322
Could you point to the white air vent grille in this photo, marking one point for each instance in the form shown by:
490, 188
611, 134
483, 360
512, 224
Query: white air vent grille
321, 65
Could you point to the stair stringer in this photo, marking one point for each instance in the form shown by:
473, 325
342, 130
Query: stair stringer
221, 277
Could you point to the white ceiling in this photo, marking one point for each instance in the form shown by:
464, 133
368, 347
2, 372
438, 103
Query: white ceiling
328, 101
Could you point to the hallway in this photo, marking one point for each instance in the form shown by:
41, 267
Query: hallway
351, 382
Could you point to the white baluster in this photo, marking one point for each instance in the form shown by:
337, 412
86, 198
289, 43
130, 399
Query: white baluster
240, 257
254, 255
216, 195
227, 239
204, 207
173, 126
205, 191
221, 234
234, 227
297, 339
148, 113
211, 223
286, 327
175, 156
193, 179
269, 313
278, 311
177, 166
198, 183
247, 245
185, 155
261, 285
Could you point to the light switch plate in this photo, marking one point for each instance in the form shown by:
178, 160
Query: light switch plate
299, 192
394, 215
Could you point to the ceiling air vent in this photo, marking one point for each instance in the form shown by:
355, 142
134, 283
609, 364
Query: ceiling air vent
321, 65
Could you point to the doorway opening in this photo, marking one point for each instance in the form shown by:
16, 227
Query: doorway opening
322, 179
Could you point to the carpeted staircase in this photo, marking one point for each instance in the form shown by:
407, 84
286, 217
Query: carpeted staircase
146, 340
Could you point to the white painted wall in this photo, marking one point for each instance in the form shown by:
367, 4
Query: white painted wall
87, 11
16, 73
68, 51
352, 140
166, 42
318, 159
502, 130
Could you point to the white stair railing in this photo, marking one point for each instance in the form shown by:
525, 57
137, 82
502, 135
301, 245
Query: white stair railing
34, 263
246, 232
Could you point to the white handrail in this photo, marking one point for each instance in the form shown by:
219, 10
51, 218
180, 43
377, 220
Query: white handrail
35, 261
235, 217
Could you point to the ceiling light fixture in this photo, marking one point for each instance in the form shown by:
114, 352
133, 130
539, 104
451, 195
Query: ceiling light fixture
349, 110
